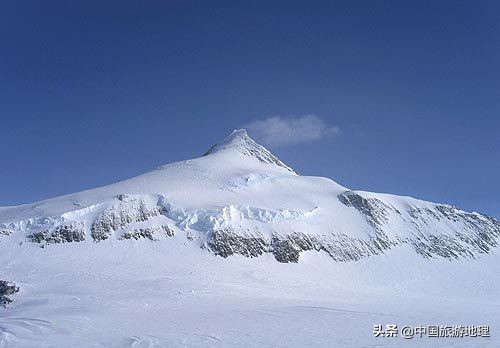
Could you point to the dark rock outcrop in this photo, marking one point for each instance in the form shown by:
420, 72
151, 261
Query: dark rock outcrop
119, 215
5, 232
7, 289
478, 234
67, 233
151, 233
374, 210
226, 242
288, 248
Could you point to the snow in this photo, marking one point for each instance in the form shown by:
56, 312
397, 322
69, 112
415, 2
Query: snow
166, 294
174, 292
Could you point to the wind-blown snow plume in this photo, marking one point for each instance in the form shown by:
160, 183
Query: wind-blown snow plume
281, 131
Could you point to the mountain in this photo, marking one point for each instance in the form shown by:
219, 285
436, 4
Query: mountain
235, 249
241, 199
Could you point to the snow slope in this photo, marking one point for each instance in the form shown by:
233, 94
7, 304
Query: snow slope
187, 255
239, 198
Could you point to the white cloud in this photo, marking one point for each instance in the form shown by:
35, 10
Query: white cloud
281, 131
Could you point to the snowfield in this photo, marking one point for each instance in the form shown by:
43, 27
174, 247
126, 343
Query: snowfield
235, 249
166, 294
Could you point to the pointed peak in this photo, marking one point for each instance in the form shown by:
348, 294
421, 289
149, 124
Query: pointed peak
240, 141
238, 134
237, 137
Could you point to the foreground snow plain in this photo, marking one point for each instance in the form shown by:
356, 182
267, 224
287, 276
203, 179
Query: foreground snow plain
171, 291
170, 294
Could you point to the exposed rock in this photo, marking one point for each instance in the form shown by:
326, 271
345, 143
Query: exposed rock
423, 214
288, 248
285, 250
118, 216
475, 221
67, 233
443, 246
475, 233
168, 231
305, 242
226, 242
7, 289
148, 232
344, 248
6, 232
433, 230
374, 210
140, 233
449, 212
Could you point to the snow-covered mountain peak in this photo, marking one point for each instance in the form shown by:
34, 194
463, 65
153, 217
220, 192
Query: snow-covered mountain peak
240, 199
240, 141
237, 136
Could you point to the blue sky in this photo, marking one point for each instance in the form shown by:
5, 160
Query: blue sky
388, 96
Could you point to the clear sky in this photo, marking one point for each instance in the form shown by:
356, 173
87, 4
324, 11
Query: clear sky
388, 96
